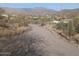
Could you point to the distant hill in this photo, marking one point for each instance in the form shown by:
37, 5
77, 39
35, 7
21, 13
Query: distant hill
29, 11
70, 13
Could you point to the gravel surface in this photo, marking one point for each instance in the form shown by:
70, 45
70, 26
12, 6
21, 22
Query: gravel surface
38, 42
43, 42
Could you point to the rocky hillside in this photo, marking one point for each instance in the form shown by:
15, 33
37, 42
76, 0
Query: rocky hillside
29, 11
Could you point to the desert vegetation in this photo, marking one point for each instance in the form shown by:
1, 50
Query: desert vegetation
11, 24
14, 26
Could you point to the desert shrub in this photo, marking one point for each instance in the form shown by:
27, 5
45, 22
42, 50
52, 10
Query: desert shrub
60, 25
9, 26
76, 24
42, 24
76, 38
67, 28
77, 29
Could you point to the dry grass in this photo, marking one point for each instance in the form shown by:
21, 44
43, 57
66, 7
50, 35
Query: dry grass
4, 32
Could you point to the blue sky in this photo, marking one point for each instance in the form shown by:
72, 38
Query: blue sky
55, 6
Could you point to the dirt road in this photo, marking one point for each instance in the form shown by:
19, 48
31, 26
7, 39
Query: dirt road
36, 42
43, 42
